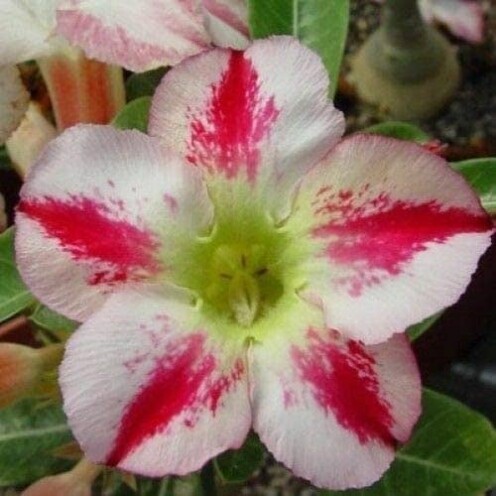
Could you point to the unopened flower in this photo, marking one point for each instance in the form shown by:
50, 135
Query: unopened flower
76, 482
22, 370
245, 268
26, 142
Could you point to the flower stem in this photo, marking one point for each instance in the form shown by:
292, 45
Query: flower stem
402, 22
208, 482
86, 471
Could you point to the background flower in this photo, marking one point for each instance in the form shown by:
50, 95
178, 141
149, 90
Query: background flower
142, 35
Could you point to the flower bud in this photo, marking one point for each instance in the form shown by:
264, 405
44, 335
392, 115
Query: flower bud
22, 369
27, 141
76, 482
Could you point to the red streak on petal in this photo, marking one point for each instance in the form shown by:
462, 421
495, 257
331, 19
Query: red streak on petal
393, 233
225, 384
345, 384
173, 388
435, 146
85, 229
238, 117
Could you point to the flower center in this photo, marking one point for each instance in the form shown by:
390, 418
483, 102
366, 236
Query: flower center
246, 271
242, 282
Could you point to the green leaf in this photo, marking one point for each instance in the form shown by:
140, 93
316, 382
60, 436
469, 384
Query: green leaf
28, 435
481, 174
322, 25
143, 83
237, 466
48, 319
14, 296
415, 331
152, 487
134, 115
399, 130
452, 453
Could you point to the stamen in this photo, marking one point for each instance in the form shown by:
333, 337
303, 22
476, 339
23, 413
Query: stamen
244, 299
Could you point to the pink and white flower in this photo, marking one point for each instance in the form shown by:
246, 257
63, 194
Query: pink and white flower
141, 35
244, 267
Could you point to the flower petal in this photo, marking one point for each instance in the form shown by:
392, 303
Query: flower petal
397, 235
13, 101
26, 29
136, 34
464, 18
177, 398
100, 209
235, 116
227, 22
331, 409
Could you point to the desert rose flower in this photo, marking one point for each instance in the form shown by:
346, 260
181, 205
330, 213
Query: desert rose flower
144, 34
243, 267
